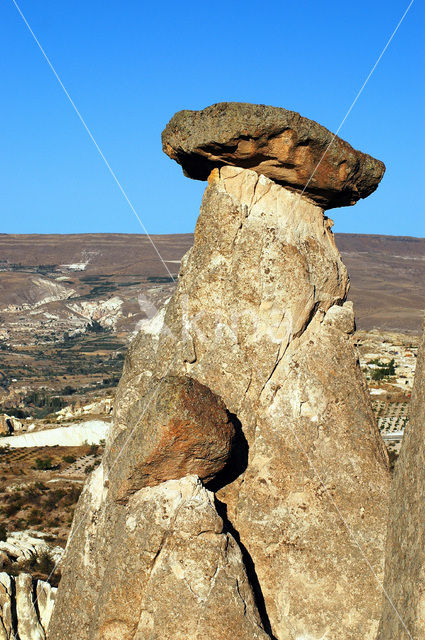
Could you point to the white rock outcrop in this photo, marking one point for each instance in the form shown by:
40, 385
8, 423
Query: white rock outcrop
25, 607
89, 432
23, 545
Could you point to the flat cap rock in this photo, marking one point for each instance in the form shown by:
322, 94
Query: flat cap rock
295, 152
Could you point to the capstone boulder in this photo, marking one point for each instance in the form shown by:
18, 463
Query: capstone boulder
295, 152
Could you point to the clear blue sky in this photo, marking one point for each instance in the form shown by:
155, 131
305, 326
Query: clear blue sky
129, 65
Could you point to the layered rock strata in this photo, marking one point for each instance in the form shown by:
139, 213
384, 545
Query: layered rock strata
295, 152
258, 327
404, 605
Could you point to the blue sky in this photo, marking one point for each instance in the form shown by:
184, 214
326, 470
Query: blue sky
130, 65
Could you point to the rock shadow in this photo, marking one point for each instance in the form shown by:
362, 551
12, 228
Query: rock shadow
238, 459
235, 466
249, 566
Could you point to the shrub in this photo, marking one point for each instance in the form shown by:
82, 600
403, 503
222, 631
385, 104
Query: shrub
43, 464
45, 563
34, 517
11, 509
31, 496
17, 413
68, 390
3, 533
72, 496
54, 522
93, 449
95, 327
69, 459
384, 370
52, 499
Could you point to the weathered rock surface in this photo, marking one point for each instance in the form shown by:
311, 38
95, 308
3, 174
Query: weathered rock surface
295, 152
27, 544
6, 595
259, 318
159, 568
184, 430
404, 605
25, 607
248, 377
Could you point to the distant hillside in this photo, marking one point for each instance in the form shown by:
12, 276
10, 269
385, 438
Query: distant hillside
50, 272
387, 280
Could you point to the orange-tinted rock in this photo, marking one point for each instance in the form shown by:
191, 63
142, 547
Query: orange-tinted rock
184, 430
296, 152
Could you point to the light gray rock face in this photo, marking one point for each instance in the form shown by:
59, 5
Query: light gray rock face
29, 627
24, 545
25, 607
404, 607
259, 318
6, 599
160, 567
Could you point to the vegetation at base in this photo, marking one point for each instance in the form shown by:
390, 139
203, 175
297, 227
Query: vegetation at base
43, 464
95, 327
41, 567
385, 370
38, 505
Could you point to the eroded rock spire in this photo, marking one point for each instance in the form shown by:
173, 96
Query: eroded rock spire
259, 330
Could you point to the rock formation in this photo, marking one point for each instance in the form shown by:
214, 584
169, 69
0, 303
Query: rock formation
404, 605
26, 606
28, 544
162, 566
249, 380
293, 151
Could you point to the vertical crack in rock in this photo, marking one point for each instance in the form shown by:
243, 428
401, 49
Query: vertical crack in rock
24, 612
13, 611
238, 459
250, 569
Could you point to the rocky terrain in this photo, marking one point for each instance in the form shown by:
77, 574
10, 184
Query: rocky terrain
243, 426
258, 336
43, 466
26, 606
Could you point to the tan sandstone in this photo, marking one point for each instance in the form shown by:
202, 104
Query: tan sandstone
159, 568
259, 318
404, 605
